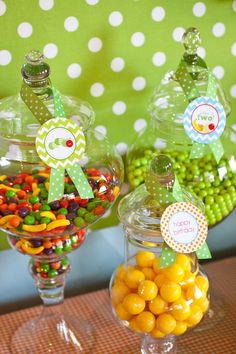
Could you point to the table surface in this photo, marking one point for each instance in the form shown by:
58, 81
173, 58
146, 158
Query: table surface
217, 336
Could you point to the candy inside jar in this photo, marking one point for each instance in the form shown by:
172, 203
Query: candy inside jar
156, 301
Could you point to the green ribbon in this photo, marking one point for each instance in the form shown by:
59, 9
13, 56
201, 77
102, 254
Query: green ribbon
56, 183
165, 196
191, 91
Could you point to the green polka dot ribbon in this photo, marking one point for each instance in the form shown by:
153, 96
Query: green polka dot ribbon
191, 41
167, 190
60, 143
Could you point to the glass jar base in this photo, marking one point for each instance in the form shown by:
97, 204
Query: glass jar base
53, 333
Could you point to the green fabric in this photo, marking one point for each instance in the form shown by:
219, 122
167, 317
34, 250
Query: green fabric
108, 90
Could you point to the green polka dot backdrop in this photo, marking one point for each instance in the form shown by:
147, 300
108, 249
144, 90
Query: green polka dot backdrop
113, 53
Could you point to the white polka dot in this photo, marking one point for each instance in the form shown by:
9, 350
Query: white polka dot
119, 108
158, 14
233, 49
159, 59
201, 52
3, 7
92, 2
177, 34
199, 9
137, 39
97, 89
95, 44
115, 19
234, 5
117, 64
218, 29
233, 91
50, 50
71, 24
122, 148
139, 83
74, 71
140, 124
25, 30
46, 4
218, 71
101, 129
5, 57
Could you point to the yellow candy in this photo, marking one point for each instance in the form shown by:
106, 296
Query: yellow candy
156, 265
158, 305
133, 278
146, 321
170, 291
134, 304
148, 290
48, 214
204, 305
184, 261
34, 228
174, 273
180, 310
3, 177
195, 316
157, 334
6, 218
47, 184
195, 294
57, 223
180, 328
35, 189
133, 325
159, 280
2, 186
116, 191
145, 259
188, 280
46, 175
26, 246
121, 271
202, 283
122, 313
149, 273
165, 323
119, 292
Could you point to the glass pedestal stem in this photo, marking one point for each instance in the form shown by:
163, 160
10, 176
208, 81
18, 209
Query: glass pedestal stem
158, 345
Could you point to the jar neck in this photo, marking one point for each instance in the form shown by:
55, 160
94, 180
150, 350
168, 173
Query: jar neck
41, 88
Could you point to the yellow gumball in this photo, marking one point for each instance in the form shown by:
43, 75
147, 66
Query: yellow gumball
145, 258
158, 305
174, 273
165, 323
204, 305
180, 328
188, 280
122, 313
148, 273
184, 261
170, 291
146, 321
195, 294
133, 277
133, 325
134, 304
147, 290
157, 334
120, 273
195, 315
202, 283
156, 265
180, 309
159, 280
118, 292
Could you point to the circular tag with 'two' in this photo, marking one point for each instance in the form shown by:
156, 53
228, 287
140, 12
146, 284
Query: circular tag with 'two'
183, 227
204, 120
60, 143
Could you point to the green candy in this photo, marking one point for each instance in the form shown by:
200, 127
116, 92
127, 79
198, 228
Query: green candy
82, 211
90, 217
29, 220
10, 194
65, 262
45, 267
78, 221
45, 207
52, 273
45, 220
62, 211
34, 199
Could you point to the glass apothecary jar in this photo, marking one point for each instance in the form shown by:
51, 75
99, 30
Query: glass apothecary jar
214, 183
49, 231
157, 303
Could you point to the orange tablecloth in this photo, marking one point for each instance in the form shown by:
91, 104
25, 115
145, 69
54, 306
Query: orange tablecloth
111, 338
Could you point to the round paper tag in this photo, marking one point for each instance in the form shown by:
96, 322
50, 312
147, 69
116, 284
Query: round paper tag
60, 143
183, 227
204, 120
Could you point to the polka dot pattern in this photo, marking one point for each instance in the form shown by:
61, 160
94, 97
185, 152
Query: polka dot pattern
115, 19
3, 8
46, 4
137, 39
119, 108
50, 50
95, 44
74, 71
25, 29
158, 13
218, 29
5, 57
71, 24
